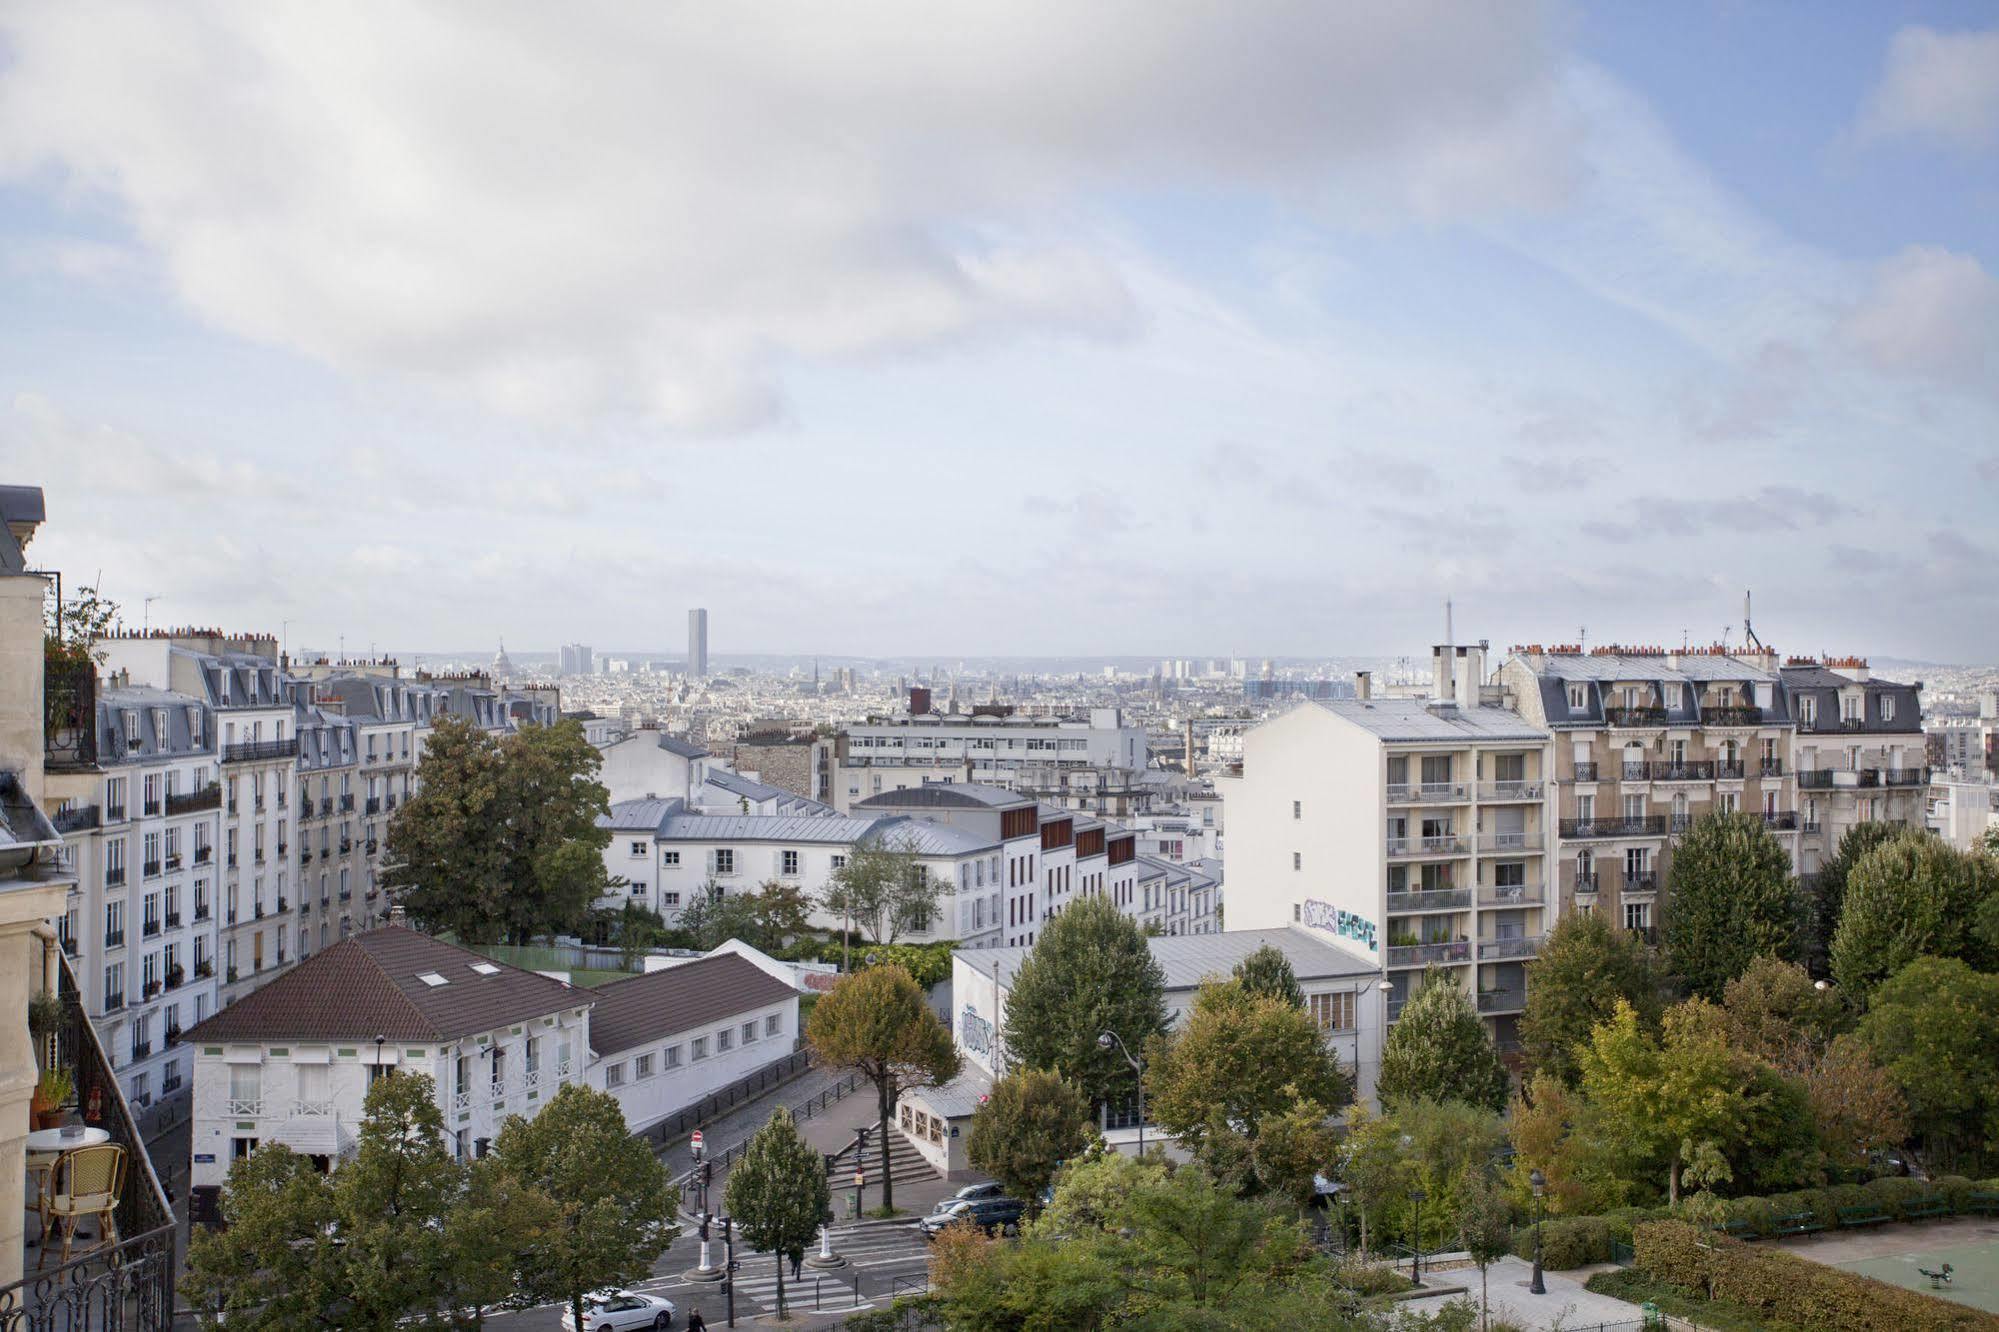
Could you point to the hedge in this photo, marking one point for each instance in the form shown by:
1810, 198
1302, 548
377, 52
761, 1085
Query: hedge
1577, 1241
1789, 1290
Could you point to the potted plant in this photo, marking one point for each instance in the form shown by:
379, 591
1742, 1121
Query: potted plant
45, 1015
51, 1093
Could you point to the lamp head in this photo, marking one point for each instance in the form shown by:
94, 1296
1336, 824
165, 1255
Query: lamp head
1538, 1181
1105, 1040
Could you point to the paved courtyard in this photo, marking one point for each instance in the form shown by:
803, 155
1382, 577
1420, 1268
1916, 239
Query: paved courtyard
1566, 1305
1898, 1253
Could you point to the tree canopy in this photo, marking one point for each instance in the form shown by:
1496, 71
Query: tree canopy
1030, 1124
1731, 899
1911, 896
1439, 1050
1268, 972
884, 889
500, 841
876, 1023
1586, 965
1825, 891
1934, 1026
768, 918
1091, 971
778, 1192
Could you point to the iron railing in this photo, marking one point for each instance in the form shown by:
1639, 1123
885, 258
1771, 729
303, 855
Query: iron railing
77, 818
69, 713
252, 750
208, 797
676, 1126
1585, 772
1635, 716
1433, 899
1731, 714
1639, 825
1417, 955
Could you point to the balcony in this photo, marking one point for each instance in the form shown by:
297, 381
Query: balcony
1906, 777
69, 713
232, 860
1586, 885
1770, 768
1500, 792
114, 938
1509, 950
1512, 895
282, 848
1448, 844
114, 1001
325, 806
77, 818
1809, 825
1585, 772
346, 845
152, 869
114, 813
312, 1109
1869, 777
372, 845
257, 909
1730, 714
253, 750
114, 877
1730, 772
1636, 772
1641, 825
374, 805
173, 920
304, 856
1435, 899
1525, 840
173, 864
149, 929
1629, 717
141, 1050
1646, 881
1815, 779
1697, 770
1678, 824
1502, 1001
203, 854
392, 800
284, 904
208, 797
346, 804
244, 1107
1784, 820
150, 808
1425, 954
1428, 793
204, 969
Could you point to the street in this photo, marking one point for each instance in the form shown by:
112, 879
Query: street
887, 1258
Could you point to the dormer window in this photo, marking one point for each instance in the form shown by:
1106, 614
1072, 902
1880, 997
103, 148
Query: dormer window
1887, 707
1578, 698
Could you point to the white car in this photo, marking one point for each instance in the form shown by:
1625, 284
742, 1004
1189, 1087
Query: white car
619, 1310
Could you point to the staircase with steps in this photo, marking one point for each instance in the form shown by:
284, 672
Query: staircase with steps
905, 1163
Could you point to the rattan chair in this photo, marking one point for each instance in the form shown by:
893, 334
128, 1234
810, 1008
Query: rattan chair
89, 1182
42, 1179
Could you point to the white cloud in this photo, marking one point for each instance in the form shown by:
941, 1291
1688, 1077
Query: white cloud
1934, 315
43, 442
656, 209
1937, 84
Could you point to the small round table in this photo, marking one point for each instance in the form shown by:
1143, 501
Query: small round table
59, 1140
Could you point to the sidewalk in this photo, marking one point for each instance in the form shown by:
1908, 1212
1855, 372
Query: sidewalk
1566, 1304
738, 1124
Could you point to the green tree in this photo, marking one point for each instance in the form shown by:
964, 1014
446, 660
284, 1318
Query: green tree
1268, 972
767, 918
392, 1200
876, 1023
1855, 1103
1485, 1229
1091, 1191
73, 627
778, 1193
883, 889
501, 840
1825, 892
1655, 1095
1371, 1166
1775, 1011
1293, 1149
1241, 1057
1193, 1241
1090, 972
495, 1222
1914, 896
1731, 898
1439, 1050
1554, 1130
1586, 965
276, 1265
607, 1202
1934, 1026
1443, 1143
1030, 1124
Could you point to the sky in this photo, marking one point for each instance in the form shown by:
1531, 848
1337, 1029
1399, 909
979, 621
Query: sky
1026, 328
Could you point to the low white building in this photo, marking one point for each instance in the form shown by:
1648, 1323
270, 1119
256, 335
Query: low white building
1341, 992
665, 1040
291, 1062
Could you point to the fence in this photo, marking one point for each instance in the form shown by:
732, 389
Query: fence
751, 1085
804, 1110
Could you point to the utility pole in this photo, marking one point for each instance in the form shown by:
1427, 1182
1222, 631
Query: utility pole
729, 1267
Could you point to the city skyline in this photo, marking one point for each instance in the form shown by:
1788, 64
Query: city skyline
1275, 327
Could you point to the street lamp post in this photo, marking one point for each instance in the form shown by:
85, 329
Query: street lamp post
1416, 1250
1107, 1039
1539, 1182
1387, 989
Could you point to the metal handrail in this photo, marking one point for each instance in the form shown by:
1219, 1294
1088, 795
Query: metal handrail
804, 1110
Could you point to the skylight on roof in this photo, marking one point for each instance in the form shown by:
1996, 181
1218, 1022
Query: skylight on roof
485, 968
432, 979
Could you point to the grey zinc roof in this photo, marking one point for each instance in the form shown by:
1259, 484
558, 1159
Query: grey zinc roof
682, 748
22, 823
640, 815
627, 1014
1411, 719
946, 795
763, 828
116, 745
932, 839
1628, 666
1189, 959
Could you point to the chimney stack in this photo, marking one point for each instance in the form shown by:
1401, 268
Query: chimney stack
1363, 685
1441, 656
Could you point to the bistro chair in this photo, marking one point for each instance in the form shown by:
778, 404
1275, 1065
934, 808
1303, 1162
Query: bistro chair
42, 1178
90, 1182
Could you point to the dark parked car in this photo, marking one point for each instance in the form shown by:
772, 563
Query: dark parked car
970, 1193
993, 1215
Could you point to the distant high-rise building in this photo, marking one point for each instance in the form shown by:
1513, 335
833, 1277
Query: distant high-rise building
697, 643
576, 659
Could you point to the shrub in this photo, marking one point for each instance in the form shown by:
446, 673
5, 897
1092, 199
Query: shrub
1788, 1289
1567, 1242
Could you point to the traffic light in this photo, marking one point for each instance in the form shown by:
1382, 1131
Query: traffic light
707, 1173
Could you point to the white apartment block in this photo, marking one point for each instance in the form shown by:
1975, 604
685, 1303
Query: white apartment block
141, 823
1089, 762
1413, 832
1861, 754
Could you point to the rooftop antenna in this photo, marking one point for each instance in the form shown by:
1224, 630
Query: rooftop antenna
146, 614
1748, 633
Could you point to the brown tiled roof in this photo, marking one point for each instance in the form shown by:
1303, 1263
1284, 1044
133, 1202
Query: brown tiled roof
369, 986
630, 1013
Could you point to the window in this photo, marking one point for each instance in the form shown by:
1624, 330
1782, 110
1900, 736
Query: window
1578, 697
669, 899
1637, 915
239, 1148
700, 1047
774, 1024
670, 1057
723, 1040
1887, 707
1297, 860
1297, 809
614, 1075
642, 1066
669, 857
788, 864
638, 850
725, 861
749, 1032
840, 862
1333, 1012
1808, 710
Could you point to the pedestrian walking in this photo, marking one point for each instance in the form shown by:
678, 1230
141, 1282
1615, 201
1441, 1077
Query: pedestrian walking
695, 1322
797, 1264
